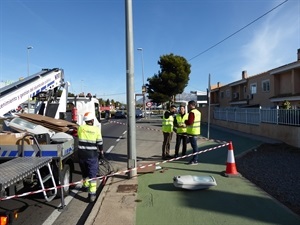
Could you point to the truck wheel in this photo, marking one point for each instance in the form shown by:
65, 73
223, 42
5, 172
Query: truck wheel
66, 178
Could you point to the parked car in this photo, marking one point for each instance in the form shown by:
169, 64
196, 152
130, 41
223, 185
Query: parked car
120, 114
148, 112
139, 113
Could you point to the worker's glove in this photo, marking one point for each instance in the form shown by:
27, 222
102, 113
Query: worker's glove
101, 155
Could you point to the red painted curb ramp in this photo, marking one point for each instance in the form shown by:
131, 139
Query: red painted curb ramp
231, 170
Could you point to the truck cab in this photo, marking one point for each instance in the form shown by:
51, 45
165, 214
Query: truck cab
79, 106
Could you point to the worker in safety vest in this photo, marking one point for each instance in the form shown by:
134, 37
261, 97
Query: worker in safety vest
179, 123
90, 144
193, 129
167, 129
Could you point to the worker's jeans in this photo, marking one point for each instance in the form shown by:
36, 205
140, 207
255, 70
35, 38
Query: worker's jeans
193, 141
180, 137
166, 144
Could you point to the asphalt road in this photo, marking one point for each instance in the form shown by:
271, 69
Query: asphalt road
34, 209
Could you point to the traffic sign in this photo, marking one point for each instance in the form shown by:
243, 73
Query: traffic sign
149, 104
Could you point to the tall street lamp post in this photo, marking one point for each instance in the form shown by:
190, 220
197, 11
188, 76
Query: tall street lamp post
28, 48
143, 87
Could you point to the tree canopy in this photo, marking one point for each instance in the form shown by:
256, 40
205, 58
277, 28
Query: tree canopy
172, 78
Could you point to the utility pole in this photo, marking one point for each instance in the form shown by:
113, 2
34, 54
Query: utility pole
208, 113
131, 126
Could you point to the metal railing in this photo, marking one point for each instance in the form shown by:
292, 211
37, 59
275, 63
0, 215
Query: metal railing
256, 116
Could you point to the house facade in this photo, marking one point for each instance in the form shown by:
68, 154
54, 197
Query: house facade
269, 89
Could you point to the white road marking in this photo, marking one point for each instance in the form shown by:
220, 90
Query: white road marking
110, 148
121, 136
56, 213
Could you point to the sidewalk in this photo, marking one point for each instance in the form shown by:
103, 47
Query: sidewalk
152, 199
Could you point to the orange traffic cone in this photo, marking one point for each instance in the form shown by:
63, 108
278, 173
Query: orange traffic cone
231, 170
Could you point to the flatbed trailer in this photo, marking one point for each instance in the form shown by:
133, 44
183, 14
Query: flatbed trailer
21, 161
15, 170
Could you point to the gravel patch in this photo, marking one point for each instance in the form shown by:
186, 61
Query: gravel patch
275, 168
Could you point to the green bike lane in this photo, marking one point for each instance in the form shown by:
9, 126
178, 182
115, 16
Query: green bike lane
234, 200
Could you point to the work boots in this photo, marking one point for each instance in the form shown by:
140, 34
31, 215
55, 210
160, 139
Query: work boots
92, 197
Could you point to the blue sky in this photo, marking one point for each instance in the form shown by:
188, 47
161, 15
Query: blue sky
86, 38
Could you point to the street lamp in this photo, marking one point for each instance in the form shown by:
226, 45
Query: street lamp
28, 48
143, 87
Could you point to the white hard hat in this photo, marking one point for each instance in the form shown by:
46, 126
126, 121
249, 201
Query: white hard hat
88, 116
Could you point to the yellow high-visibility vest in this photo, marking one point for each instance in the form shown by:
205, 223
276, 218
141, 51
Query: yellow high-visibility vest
89, 137
194, 129
167, 124
180, 120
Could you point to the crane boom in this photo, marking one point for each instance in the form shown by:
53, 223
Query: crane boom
11, 96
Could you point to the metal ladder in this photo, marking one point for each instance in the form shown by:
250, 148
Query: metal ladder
50, 176
45, 179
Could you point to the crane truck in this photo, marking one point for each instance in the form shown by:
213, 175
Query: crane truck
27, 155
44, 87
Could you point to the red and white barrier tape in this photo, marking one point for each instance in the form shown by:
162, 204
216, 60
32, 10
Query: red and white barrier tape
174, 159
104, 178
159, 130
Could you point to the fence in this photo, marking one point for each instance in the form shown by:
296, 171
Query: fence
256, 116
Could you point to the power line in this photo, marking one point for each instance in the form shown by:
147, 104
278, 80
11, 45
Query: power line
238, 31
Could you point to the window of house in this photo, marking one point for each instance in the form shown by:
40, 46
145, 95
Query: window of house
245, 89
222, 94
265, 85
227, 93
253, 88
